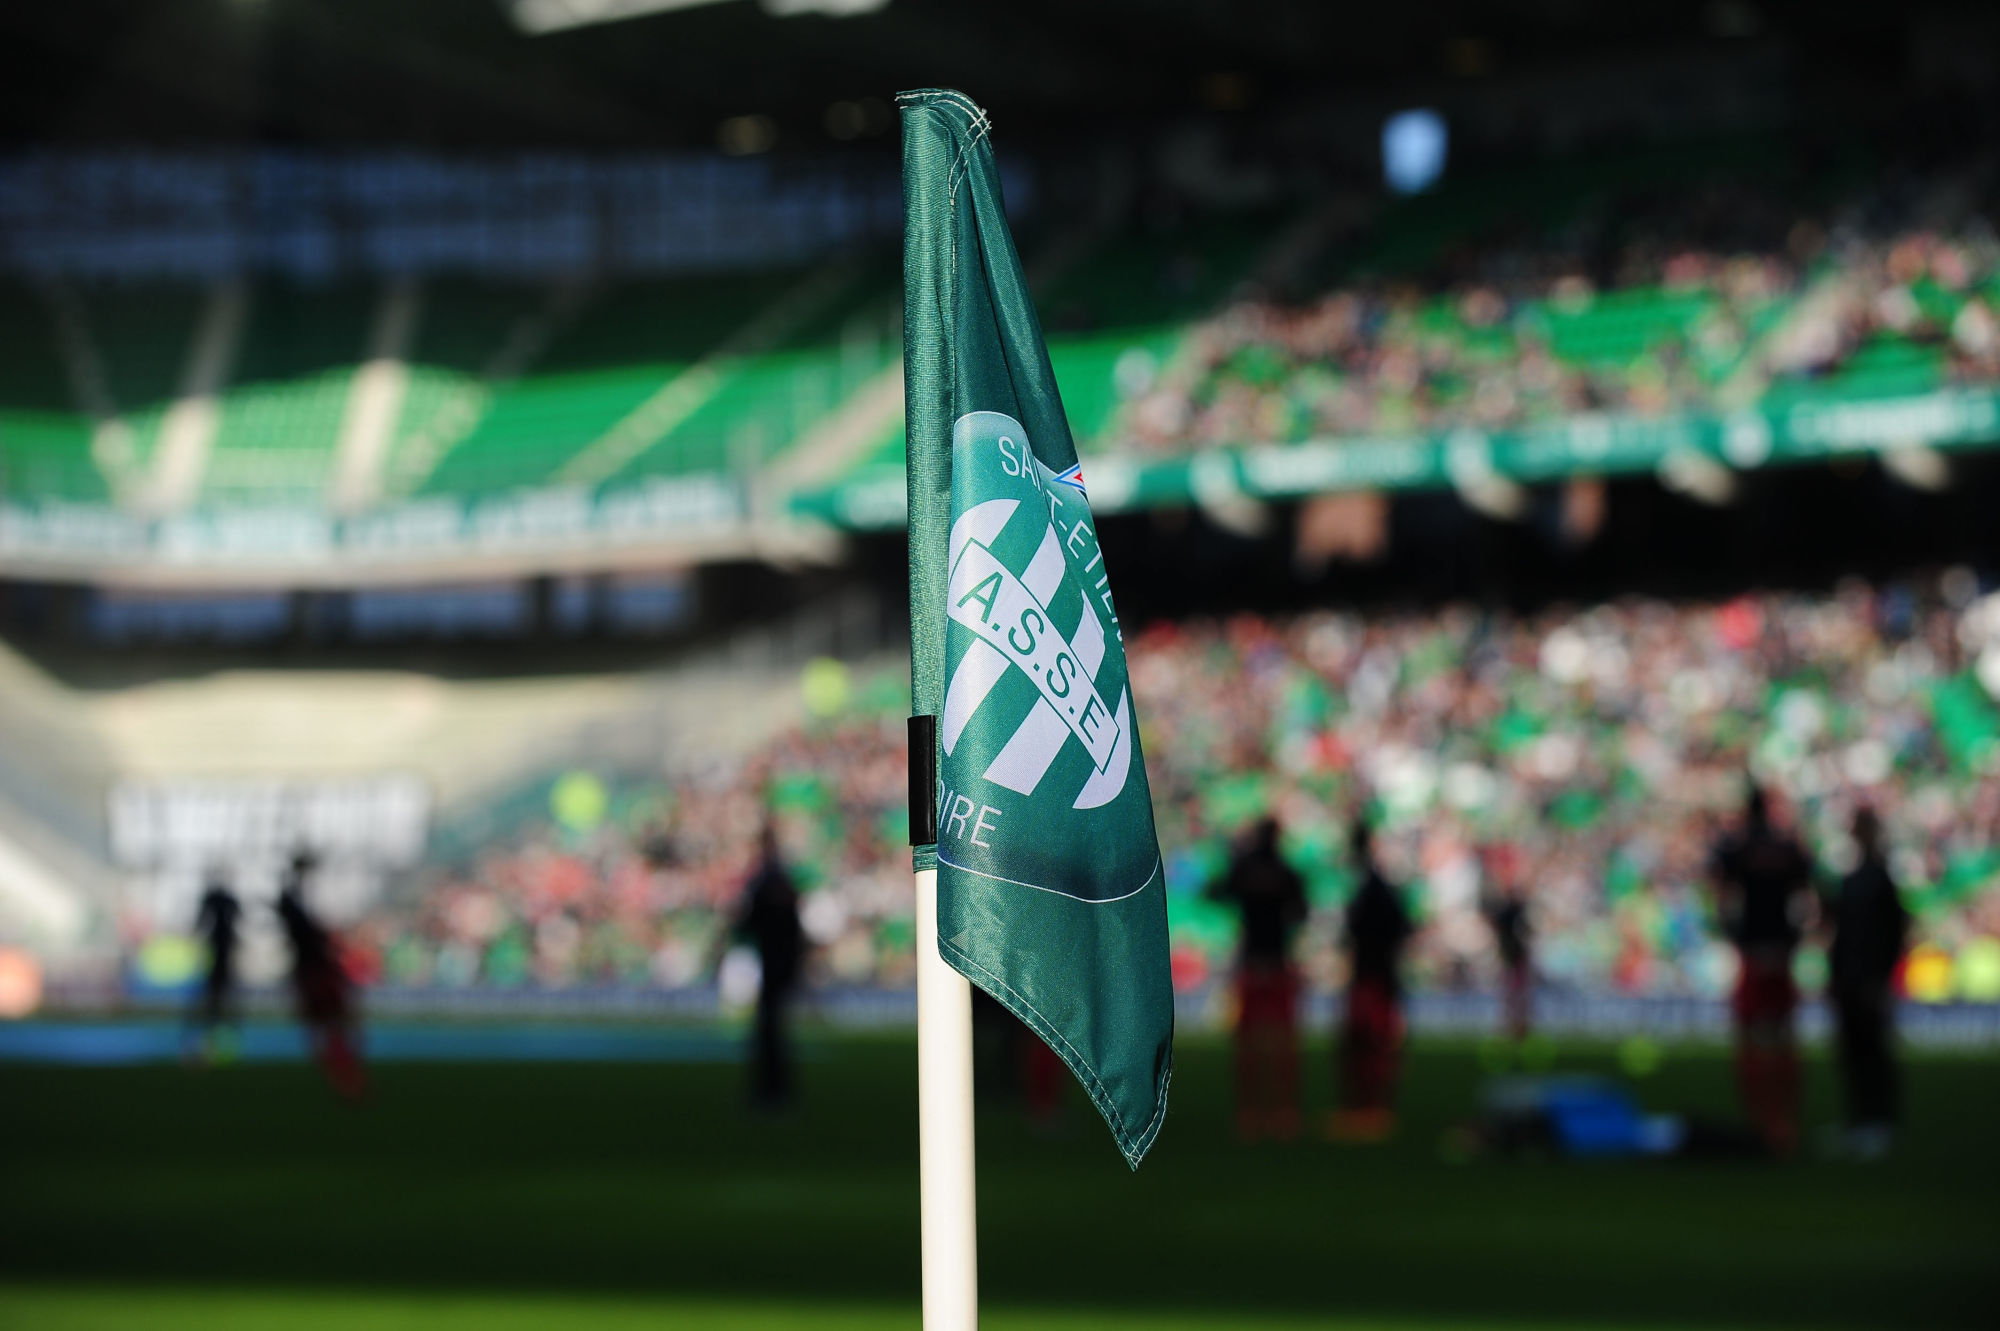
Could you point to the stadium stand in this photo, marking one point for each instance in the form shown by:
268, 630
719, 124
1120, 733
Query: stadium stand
1139, 296
1604, 745
1713, 302
294, 369
1560, 299
44, 440
141, 333
500, 387
1669, 296
645, 378
75, 883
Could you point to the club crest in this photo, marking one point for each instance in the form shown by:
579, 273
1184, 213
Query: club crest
1037, 721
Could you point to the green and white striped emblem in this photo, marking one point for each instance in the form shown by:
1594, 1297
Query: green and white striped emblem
1037, 731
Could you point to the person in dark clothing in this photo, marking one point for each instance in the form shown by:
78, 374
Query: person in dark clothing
1507, 915
1763, 877
1870, 927
216, 920
1371, 1037
321, 987
770, 921
1271, 898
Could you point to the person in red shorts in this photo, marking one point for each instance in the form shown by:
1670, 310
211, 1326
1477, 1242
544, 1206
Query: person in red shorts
1763, 884
1507, 914
1271, 897
1371, 1037
321, 985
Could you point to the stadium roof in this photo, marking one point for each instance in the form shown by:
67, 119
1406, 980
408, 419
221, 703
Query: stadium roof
462, 74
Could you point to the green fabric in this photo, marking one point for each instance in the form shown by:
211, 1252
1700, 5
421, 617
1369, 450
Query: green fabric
1051, 890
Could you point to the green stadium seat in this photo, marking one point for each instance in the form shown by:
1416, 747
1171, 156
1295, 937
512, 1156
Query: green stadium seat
287, 394
44, 436
141, 332
621, 347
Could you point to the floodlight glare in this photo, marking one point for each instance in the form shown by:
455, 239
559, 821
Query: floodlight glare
1413, 150
543, 16
540, 16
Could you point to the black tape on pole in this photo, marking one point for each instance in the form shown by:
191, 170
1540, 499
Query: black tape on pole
923, 780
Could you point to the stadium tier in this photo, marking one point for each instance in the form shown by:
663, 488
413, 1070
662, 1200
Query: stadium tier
46, 450
495, 388
293, 377
1597, 751
1549, 324
639, 379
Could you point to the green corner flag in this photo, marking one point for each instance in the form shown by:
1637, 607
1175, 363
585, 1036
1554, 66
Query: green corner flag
1051, 891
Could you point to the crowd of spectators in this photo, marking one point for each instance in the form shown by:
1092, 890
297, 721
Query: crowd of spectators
1592, 753
1707, 299
645, 893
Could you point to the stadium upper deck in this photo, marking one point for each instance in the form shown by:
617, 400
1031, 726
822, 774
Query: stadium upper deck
1682, 312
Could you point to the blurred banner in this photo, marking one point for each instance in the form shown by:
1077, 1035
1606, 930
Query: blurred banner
683, 512
1464, 457
176, 835
375, 820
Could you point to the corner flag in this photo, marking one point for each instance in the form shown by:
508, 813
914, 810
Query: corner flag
1051, 894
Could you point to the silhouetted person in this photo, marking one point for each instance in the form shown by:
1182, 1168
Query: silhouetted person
770, 920
1763, 877
1271, 898
1507, 914
320, 984
216, 921
1870, 927
1371, 1037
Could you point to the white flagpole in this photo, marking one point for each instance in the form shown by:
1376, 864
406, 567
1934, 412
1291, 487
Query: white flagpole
944, 1128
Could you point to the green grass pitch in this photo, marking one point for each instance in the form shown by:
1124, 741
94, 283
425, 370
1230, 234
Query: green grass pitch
605, 1197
